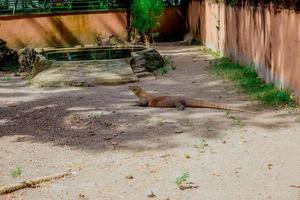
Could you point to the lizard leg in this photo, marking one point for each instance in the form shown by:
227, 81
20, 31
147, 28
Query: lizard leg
180, 105
143, 102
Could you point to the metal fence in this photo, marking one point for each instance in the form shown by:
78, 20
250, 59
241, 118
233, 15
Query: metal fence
11, 7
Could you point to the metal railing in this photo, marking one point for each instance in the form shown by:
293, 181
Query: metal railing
11, 7
49, 6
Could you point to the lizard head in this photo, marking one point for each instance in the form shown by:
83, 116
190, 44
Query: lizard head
135, 89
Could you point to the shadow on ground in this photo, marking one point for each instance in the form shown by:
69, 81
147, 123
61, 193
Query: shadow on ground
106, 118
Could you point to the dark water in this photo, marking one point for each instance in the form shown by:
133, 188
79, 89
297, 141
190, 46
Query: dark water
91, 54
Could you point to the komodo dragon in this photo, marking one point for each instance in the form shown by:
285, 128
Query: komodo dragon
147, 99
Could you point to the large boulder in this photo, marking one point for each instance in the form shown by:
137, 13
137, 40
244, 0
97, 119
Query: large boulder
149, 59
27, 58
8, 57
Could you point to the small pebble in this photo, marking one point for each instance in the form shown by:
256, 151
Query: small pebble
129, 177
178, 131
151, 195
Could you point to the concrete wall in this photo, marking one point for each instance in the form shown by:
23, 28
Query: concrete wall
60, 30
64, 30
251, 35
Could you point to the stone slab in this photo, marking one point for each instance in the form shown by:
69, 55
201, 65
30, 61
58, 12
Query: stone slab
85, 73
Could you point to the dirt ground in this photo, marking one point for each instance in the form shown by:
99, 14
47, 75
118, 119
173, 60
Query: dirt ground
120, 151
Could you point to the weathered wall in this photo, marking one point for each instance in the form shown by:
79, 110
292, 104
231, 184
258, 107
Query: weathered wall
78, 29
60, 30
173, 25
252, 35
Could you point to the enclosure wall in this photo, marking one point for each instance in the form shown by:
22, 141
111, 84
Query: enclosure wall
65, 30
60, 30
266, 38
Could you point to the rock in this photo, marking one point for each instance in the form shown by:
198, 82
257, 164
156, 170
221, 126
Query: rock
2, 43
8, 57
186, 186
101, 41
129, 177
40, 64
107, 138
27, 57
83, 73
179, 131
115, 41
149, 59
188, 38
151, 195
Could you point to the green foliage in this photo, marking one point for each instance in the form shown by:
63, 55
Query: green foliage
232, 2
163, 70
180, 179
215, 54
228, 2
9, 66
196, 42
16, 172
248, 82
146, 14
168, 66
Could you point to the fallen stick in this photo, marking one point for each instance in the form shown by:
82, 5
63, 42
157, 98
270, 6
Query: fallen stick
31, 183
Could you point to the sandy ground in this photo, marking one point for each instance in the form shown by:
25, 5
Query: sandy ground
101, 135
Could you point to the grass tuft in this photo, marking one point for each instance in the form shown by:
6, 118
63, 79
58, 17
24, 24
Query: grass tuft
182, 178
16, 172
168, 66
248, 82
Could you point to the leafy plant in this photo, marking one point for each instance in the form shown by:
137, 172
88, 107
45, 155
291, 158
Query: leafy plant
215, 54
16, 172
232, 2
168, 66
201, 146
146, 15
180, 179
196, 42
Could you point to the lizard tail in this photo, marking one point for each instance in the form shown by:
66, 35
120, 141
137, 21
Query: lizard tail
206, 104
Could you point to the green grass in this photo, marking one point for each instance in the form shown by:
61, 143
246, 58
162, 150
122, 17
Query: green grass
200, 146
196, 42
95, 115
180, 179
7, 78
248, 82
16, 172
215, 54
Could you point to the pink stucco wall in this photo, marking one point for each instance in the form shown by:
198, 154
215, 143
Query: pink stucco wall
267, 39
